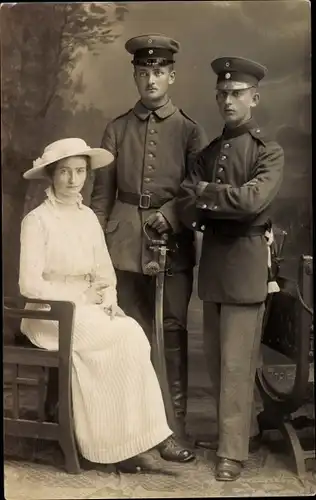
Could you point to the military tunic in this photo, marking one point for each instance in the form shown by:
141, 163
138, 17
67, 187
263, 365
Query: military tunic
153, 152
244, 170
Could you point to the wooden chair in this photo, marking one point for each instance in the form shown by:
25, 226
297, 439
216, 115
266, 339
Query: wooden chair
14, 357
287, 387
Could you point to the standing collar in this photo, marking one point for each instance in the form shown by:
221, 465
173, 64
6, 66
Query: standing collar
163, 112
53, 200
229, 133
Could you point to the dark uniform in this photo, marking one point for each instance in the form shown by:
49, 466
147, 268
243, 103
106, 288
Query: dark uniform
244, 169
153, 152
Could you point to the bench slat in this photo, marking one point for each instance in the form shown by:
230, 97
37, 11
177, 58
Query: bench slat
29, 356
27, 428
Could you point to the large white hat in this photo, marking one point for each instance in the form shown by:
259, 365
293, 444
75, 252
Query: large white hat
65, 148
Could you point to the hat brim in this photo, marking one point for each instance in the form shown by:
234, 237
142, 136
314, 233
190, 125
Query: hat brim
98, 158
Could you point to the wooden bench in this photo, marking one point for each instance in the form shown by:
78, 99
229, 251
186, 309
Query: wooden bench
54, 366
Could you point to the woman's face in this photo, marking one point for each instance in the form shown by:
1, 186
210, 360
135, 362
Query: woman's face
69, 176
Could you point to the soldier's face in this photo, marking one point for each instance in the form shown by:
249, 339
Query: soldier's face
153, 82
235, 105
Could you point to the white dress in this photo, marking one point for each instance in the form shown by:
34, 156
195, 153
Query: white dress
117, 402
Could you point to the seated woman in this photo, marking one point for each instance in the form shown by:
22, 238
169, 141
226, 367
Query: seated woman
117, 403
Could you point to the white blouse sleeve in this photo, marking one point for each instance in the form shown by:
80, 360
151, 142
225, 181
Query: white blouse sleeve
104, 272
32, 261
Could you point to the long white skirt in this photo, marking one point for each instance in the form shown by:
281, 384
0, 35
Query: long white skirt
117, 402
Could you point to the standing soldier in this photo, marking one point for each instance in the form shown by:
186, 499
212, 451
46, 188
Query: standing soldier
228, 195
154, 145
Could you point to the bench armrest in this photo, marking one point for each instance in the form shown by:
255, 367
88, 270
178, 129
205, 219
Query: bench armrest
14, 307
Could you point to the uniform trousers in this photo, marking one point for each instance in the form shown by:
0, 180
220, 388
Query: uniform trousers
232, 337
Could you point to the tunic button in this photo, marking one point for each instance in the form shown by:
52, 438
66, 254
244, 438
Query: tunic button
152, 143
146, 191
223, 157
202, 228
258, 130
150, 167
193, 224
151, 155
204, 206
220, 169
218, 181
152, 131
215, 207
227, 145
147, 179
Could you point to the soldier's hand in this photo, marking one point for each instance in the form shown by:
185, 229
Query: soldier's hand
200, 187
158, 222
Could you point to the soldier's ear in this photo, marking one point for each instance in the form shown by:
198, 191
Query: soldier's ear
255, 99
172, 76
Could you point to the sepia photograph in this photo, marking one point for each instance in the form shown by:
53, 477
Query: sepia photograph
157, 249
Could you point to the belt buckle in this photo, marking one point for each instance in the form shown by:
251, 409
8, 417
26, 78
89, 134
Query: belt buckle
144, 201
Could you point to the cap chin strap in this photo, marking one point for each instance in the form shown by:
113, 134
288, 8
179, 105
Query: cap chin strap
160, 62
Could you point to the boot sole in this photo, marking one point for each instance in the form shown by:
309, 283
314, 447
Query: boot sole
185, 460
226, 480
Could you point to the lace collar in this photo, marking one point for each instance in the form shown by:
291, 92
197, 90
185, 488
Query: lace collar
51, 198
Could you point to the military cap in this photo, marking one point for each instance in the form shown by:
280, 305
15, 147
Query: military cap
152, 50
236, 73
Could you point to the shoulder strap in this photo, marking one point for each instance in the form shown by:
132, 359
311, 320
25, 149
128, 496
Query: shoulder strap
259, 135
187, 116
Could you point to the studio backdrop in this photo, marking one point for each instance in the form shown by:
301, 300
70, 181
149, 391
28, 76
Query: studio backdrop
65, 72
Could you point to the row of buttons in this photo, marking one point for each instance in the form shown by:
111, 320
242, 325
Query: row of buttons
150, 154
214, 207
202, 227
223, 158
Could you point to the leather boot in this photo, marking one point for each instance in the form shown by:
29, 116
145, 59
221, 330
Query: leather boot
228, 470
172, 451
176, 349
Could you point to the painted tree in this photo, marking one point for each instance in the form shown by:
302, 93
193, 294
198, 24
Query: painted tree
41, 46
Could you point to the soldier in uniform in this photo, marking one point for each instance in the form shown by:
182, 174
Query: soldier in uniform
154, 145
228, 196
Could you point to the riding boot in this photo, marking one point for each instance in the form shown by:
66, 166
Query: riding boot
176, 349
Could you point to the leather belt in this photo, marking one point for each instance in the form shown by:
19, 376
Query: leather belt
238, 231
144, 201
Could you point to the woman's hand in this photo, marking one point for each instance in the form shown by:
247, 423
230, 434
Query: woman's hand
115, 310
94, 294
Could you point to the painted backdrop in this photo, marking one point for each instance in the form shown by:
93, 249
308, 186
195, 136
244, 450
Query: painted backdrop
65, 73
